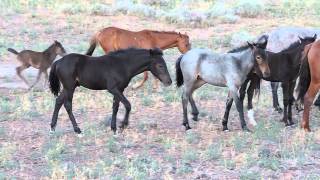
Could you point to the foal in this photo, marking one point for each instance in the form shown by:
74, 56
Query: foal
111, 72
38, 60
200, 66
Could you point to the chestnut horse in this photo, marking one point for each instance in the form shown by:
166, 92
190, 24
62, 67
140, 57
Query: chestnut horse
113, 38
309, 83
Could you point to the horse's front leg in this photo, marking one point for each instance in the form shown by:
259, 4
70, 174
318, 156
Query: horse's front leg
286, 97
115, 108
308, 100
291, 101
274, 87
239, 105
120, 97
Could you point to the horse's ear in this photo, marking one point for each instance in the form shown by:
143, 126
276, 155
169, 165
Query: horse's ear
180, 34
315, 36
251, 45
300, 38
55, 41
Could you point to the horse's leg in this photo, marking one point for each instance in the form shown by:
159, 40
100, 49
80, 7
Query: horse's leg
115, 108
226, 113
145, 77
45, 78
20, 69
291, 101
37, 80
308, 100
194, 108
250, 93
239, 105
119, 95
68, 107
59, 102
274, 87
286, 96
185, 100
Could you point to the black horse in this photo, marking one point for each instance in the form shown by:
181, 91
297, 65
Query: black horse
111, 72
284, 67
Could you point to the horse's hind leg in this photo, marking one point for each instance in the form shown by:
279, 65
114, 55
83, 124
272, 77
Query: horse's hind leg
194, 108
115, 108
20, 69
274, 87
291, 101
68, 106
59, 102
226, 113
145, 78
286, 97
185, 99
308, 100
45, 78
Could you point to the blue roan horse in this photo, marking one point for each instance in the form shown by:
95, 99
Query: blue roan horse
200, 66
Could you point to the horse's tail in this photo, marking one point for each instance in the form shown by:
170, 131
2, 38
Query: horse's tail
304, 79
54, 80
12, 51
93, 44
179, 76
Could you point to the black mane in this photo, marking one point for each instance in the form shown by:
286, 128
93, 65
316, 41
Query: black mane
239, 49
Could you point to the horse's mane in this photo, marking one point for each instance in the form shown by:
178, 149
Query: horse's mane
293, 45
239, 49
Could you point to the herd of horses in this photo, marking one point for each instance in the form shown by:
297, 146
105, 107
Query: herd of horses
131, 53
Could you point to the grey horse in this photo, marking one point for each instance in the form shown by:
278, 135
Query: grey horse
200, 66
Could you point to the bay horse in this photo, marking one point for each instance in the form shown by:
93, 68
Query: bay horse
200, 66
113, 38
38, 60
284, 67
309, 83
111, 72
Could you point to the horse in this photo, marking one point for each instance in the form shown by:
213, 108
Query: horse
284, 67
200, 66
309, 83
38, 60
113, 38
111, 72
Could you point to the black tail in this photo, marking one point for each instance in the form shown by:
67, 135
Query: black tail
12, 51
93, 44
54, 80
304, 80
179, 76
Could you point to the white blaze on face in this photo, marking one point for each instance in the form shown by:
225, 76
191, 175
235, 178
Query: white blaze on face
251, 117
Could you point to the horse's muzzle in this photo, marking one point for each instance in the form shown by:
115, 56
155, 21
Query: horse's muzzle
167, 83
266, 74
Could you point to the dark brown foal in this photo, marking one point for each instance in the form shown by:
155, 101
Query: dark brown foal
38, 60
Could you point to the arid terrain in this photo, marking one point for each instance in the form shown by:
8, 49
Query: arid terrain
155, 145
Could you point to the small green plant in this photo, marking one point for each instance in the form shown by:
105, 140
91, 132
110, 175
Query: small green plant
112, 145
192, 137
248, 8
213, 151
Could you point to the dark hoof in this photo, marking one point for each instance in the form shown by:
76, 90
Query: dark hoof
225, 129
124, 125
187, 126
291, 123
114, 129
77, 130
195, 118
278, 109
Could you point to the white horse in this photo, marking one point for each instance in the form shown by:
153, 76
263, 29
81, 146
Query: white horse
200, 66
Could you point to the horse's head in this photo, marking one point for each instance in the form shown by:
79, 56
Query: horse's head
183, 43
59, 49
260, 59
158, 67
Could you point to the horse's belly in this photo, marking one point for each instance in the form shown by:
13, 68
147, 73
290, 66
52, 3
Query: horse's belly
94, 84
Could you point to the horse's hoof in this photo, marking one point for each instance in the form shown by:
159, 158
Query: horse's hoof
195, 118
51, 132
77, 130
225, 129
80, 135
279, 109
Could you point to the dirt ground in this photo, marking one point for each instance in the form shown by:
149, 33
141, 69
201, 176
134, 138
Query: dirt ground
155, 146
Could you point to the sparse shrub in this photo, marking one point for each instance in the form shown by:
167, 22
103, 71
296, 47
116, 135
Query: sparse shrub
112, 145
189, 156
122, 6
249, 175
192, 137
156, 2
213, 151
186, 17
6, 156
73, 8
269, 162
142, 11
101, 9
249, 8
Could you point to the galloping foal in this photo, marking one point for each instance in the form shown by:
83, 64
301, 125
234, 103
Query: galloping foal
200, 66
309, 83
113, 38
38, 60
111, 72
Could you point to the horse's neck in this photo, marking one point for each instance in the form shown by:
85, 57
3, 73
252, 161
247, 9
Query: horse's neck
50, 53
247, 60
138, 65
165, 40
